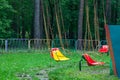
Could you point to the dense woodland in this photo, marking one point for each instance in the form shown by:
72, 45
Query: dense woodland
53, 19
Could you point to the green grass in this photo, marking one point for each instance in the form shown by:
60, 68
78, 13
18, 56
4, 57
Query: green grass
13, 64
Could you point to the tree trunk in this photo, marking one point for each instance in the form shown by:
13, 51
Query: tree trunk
80, 23
108, 11
41, 19
38, 20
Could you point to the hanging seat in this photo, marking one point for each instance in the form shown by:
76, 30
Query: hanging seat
103, 49
89, 61
57, 55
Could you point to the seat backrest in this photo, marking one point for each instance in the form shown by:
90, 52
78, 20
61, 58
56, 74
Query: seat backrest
105, 46
53, 51
88, 58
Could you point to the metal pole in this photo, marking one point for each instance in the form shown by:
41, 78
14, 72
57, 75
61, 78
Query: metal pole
29, 44
80, 64
6, 45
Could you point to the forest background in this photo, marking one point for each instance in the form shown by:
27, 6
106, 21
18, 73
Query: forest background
49, 19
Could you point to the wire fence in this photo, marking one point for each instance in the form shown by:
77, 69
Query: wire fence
43, 44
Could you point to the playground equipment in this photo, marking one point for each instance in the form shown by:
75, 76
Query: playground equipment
112, 36
103, 49
89, 60
57, 55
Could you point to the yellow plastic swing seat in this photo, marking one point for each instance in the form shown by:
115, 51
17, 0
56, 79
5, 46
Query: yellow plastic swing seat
57, 55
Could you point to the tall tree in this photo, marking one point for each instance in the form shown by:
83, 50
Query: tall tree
38, 27
80, 20
38, 20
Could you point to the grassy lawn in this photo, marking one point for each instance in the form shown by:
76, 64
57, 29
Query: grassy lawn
12, 65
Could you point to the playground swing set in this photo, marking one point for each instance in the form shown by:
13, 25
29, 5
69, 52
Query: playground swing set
58, 56
112, 33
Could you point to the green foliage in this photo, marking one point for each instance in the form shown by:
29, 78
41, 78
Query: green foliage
5, 21
23, 18
17, 17
70, 10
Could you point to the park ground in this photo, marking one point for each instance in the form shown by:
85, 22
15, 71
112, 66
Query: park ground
38, 65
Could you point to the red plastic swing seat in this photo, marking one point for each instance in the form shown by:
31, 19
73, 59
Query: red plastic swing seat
90, 61
103, 49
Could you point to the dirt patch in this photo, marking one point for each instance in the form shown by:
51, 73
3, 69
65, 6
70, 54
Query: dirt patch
41, 75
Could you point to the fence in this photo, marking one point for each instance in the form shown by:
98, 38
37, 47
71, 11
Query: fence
43, 44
